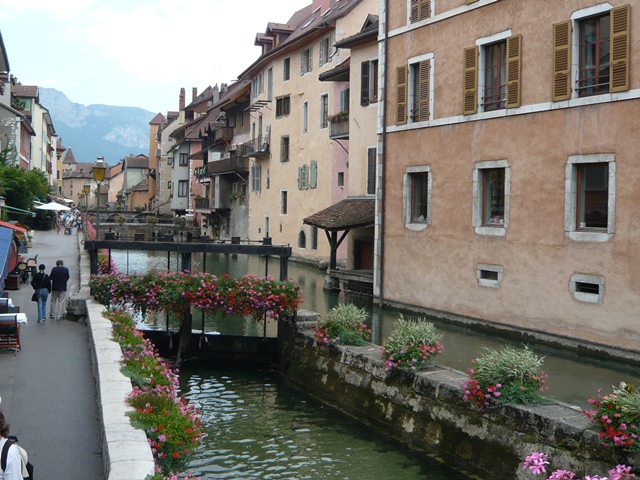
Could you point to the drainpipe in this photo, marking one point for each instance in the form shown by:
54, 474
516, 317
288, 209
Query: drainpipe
382, 156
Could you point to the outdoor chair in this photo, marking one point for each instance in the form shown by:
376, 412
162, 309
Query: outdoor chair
9, 333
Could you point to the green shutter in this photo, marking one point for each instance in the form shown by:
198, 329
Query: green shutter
619, 68
562, 61
364, 84
514, 60
470, 80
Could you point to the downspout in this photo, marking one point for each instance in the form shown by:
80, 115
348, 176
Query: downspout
383, 155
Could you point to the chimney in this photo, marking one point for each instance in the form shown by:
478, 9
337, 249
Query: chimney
194, 94
181, 102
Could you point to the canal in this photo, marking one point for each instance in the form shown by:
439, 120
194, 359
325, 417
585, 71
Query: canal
258, 427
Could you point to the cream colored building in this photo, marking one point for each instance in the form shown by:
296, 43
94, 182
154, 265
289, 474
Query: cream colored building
296, 168
510, 176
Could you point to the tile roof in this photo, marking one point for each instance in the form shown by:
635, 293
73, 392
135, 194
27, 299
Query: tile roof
339, 73
158, 120
25, 91
139, 161
355, 212
68, 157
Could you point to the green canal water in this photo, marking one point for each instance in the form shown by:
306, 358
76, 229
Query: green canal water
258, 427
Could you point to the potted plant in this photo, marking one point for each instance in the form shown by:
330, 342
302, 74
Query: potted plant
345, 325
411, 345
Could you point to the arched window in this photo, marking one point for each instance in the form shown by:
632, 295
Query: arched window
302, 239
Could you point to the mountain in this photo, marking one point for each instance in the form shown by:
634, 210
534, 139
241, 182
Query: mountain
98, 130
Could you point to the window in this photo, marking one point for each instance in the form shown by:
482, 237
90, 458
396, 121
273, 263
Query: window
268, 180
590, 197
419, 10
183, 188
313, 174
414, 90
170, 161
286, 69
341, 179
270, 84
169, 184
284, 149
257, 85
417, 197
303, 177
305, 117
491, 197
184, 161
368, 82
591, 52
302, 239
492, 73
256, 178
283, 106
314, 237
587, 288
283, 201
325, 49
489, 275
306, 61
344, 100
371, 170
324, 110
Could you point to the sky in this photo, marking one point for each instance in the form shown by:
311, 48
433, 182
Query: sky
135, 53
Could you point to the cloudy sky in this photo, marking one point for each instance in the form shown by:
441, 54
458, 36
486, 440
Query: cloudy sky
134, 52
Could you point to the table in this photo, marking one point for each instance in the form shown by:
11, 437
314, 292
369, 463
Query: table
20, 317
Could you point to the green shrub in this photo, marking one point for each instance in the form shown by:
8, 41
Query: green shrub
345, 324
411, 345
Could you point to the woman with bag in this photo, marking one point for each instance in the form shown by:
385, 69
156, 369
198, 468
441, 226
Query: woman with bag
13, 463
41, 283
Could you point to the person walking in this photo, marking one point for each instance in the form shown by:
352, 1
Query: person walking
59, 276
41, 283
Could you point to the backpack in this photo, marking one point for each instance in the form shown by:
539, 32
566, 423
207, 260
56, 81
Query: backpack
26, 465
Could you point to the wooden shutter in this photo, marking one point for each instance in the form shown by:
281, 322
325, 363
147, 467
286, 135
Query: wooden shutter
299, 178
313, 174
470, 80
424, 69
619, 68
420, 9
514, 60
371, 171
562, 61
364, 84
401, 109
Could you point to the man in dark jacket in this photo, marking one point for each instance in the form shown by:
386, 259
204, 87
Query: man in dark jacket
59, 277
41, 283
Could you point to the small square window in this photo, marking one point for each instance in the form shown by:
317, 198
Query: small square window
489, 275
587, 288
283, 106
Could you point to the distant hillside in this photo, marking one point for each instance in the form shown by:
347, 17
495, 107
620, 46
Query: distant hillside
98, 130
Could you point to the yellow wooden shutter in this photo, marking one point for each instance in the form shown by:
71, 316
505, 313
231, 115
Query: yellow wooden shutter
619, 68
423, 91
562, 61
514, 60
401, 74
470, 80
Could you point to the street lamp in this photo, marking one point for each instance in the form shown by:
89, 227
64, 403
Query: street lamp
99, 170
86, 188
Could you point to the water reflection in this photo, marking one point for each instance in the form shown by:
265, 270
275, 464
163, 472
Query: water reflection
257, 427
572, 378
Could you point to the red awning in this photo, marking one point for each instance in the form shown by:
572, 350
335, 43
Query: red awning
12, 226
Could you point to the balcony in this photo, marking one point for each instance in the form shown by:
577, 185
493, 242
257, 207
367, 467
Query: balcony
227, 165
255, 148
339, 126
202, 205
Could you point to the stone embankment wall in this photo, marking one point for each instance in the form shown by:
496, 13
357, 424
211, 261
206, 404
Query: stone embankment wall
426, 410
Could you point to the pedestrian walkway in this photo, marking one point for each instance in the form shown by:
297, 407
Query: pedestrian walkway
48, 390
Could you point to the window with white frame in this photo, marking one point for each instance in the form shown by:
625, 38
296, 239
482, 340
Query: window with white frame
489, 275
286, 69
491, 197
326, 47
587, 288
184, 160
324, 110
371, 170
306, 60
368, 82
284, 148
284, 200
257, 85
305, 117
590, 196
415, 90
256, 178
183, 188
417, 197
344, 100
591, 52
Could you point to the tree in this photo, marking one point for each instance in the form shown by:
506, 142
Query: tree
21, 187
